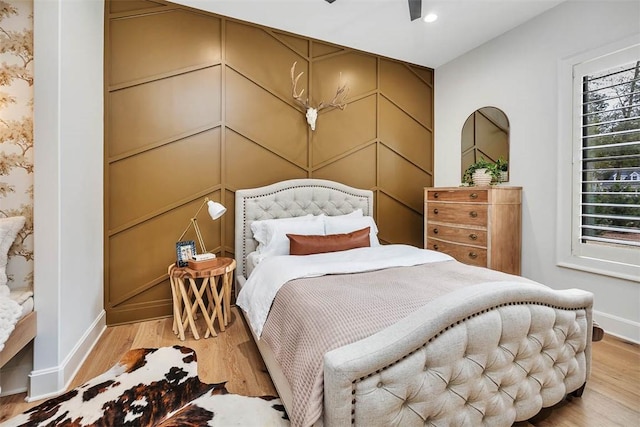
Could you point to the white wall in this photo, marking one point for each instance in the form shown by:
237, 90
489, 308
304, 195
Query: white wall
518, 73
68, 204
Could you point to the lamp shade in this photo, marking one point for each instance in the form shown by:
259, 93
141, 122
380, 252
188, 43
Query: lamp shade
216, 210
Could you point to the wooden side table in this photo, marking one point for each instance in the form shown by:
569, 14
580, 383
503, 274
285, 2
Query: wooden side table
215, 281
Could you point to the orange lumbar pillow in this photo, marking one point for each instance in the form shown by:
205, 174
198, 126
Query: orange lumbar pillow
315, 244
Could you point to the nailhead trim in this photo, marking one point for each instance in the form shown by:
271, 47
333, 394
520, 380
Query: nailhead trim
356, 381
246, 224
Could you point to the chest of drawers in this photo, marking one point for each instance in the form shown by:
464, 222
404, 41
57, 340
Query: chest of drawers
476, 225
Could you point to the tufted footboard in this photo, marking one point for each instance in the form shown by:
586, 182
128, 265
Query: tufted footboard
492, 354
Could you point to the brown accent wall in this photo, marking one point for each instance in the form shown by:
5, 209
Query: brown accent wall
200, 105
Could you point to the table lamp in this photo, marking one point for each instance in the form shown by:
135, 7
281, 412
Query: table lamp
215, 209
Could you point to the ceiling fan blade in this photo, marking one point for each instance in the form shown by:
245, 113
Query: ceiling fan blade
415, 9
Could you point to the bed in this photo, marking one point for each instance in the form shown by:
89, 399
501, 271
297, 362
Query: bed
17, 318
476, 347
23, 333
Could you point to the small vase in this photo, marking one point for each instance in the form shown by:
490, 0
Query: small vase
504, 176
481, 177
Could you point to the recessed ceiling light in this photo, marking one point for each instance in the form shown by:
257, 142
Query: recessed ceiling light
430, 17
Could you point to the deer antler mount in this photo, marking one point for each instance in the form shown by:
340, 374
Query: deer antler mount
338, 101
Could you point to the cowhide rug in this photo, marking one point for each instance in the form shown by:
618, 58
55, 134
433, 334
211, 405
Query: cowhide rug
153, 387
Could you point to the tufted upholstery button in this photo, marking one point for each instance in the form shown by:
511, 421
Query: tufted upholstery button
483, 386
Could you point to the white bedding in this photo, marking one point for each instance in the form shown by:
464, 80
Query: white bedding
253, 259
14, 305
257, 294
24, 297
10, 312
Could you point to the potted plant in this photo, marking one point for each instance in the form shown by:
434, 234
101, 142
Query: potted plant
482, 172
503, 167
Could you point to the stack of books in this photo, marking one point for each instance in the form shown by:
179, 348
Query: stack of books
202, 261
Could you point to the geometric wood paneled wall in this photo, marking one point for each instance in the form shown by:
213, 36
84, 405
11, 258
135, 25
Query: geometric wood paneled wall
199, 105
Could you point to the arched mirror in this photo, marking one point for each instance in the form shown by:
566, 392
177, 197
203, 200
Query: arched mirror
485, 134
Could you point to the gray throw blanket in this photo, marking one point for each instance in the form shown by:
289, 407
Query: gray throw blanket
312, 316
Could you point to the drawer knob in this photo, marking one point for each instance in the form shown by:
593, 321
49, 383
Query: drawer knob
435, 211
435, 247
473, 255
473, 236
435, 231
436, 195
473, 195
473, 214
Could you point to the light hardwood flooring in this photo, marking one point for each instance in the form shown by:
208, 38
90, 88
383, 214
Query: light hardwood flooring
611, 398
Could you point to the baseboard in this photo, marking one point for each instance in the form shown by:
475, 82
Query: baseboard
46, 383
618, 327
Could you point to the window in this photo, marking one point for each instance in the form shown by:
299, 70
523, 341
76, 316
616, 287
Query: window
610, 140
603, 133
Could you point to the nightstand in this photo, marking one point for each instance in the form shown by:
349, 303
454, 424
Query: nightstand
188, 289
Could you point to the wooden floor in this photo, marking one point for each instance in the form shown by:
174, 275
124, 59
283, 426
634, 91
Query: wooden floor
612, 396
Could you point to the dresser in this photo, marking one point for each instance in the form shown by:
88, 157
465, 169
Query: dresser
476, 225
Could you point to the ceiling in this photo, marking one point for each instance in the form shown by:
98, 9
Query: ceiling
383, 27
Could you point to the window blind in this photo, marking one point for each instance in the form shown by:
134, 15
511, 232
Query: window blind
610, 161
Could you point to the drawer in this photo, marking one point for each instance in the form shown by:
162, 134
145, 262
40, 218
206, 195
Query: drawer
458, 195
457, 213
469, 236
467, 254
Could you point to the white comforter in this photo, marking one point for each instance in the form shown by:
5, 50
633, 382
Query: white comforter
10, 312
269, 275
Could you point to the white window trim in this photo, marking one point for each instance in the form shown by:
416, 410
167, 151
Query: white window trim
570, 252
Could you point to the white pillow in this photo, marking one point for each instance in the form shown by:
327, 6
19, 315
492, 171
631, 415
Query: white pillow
271, 234
9, 228
260, 228
357, 213
347, 224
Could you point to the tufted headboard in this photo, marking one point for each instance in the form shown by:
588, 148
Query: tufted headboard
291, 198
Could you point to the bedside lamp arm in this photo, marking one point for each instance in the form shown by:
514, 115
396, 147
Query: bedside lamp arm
194, 222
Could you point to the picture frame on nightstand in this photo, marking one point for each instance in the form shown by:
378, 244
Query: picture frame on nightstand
185, 250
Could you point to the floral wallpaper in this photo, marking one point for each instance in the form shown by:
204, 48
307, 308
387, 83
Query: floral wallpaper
16, 132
